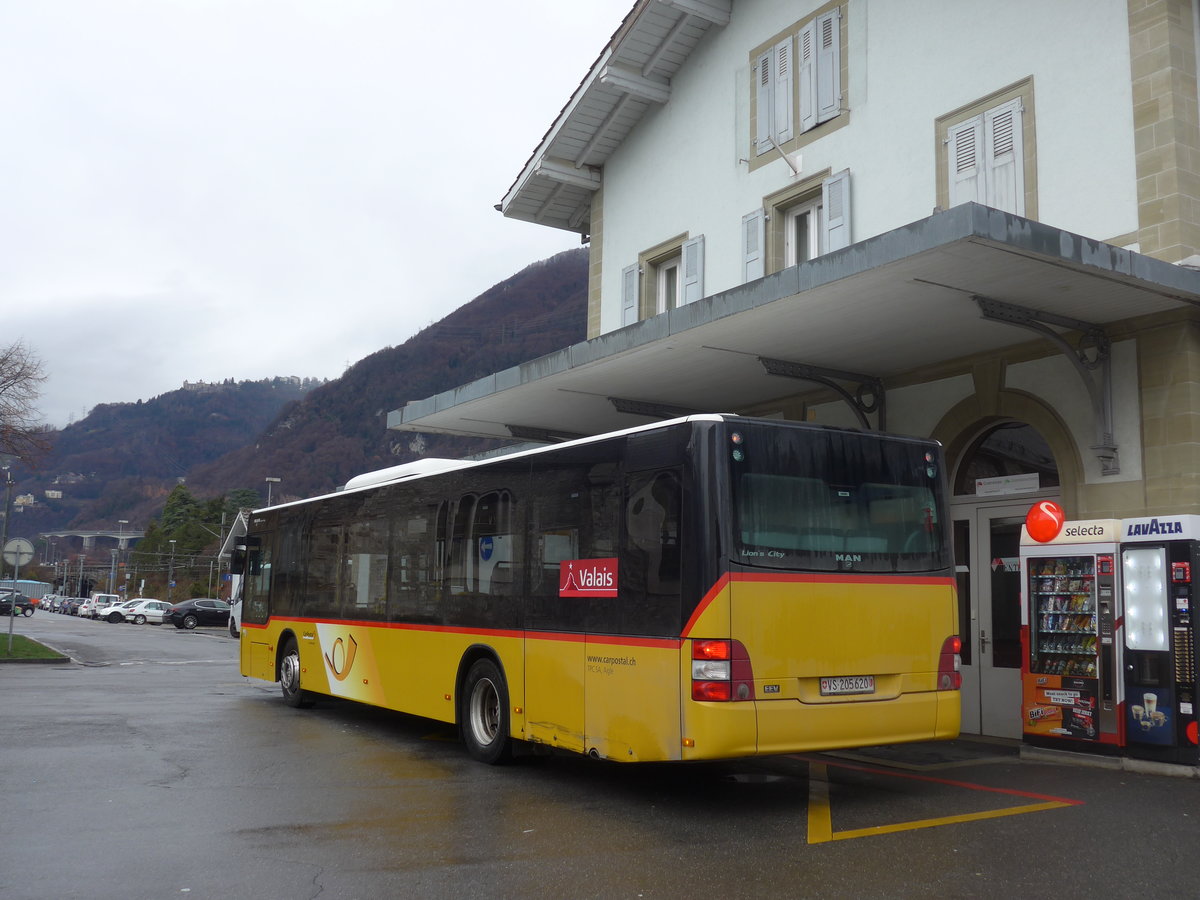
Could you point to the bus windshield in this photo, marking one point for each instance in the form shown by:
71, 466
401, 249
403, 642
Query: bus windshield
825, 500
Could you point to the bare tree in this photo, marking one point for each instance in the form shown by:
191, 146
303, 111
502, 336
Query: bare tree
21, 375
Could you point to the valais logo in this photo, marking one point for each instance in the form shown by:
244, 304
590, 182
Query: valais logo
587, 577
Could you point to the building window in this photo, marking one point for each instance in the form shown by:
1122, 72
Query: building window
797, 224
986, 153
666, 287
797, 81
666, 276
801, 233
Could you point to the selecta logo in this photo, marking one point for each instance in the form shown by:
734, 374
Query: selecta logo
587, 577
1044, 521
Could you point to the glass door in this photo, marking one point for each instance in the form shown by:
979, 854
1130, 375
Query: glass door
987, 541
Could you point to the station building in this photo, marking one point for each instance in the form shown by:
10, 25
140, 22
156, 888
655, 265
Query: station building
978, 222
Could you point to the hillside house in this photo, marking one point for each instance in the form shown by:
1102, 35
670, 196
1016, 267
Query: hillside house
974, 221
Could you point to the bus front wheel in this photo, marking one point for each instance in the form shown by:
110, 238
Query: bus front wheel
289, 678
484, 715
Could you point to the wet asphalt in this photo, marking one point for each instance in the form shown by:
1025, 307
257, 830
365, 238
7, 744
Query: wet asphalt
145, 766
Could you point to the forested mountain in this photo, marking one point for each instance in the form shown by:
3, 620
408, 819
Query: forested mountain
122, 460
340, 429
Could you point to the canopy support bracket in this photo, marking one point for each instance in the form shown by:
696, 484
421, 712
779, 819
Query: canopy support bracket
868, 396
1091, 357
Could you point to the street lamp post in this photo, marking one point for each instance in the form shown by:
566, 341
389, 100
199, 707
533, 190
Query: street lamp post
121, 523
171, 572
112, 572
270, 480
8, 486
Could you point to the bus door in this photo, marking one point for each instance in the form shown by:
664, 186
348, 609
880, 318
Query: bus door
632, 677
987, 560
257, 656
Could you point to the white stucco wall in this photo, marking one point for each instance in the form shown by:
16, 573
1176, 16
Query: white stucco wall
917, 409
683, 169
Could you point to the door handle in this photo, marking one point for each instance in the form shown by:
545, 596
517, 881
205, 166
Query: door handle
983, 641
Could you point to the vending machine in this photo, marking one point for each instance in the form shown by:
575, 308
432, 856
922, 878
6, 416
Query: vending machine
1159, 556
1070, 631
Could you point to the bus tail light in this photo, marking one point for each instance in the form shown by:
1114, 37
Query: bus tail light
949, 664
721, 671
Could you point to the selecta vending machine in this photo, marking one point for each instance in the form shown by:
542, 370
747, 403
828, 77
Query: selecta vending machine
1160, 556
1072, 686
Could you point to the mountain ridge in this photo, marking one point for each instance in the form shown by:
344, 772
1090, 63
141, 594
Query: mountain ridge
122, 459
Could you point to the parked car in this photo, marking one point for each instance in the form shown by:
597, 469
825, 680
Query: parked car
15, 604
146, 610
105, 602
89, 607
70, 606
203, 611
118, 612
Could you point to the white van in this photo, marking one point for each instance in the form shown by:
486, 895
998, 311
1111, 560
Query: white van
91, 607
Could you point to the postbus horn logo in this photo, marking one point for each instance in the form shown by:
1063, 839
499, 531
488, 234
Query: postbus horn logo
1044, 521
343, 657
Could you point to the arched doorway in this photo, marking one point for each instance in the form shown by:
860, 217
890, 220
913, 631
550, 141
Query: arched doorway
1002, 471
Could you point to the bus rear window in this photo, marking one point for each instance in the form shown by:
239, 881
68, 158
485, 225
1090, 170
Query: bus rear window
834, 501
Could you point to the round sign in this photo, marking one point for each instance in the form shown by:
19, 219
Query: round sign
1044, 521
18, 552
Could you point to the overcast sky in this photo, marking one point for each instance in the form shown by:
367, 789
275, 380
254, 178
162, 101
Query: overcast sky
210, 189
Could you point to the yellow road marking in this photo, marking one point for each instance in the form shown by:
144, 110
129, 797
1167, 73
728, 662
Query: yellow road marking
820, 817
820, 822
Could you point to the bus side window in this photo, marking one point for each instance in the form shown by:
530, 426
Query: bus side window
413, 593
497, 553
364, 572
651, 561
324, 561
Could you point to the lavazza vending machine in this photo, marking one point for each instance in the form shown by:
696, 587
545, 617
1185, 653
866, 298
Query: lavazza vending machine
1160, 557
1072, 689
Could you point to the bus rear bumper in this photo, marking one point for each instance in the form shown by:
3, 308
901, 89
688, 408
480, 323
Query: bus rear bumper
790, 727
774, 727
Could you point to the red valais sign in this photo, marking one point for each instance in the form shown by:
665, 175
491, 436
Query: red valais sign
587, 577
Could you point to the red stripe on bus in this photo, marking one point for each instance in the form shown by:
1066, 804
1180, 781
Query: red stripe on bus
670, 643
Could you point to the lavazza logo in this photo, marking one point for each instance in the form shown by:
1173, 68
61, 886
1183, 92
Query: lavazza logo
1153, 527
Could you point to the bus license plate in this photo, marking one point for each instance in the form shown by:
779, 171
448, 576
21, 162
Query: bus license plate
848, 684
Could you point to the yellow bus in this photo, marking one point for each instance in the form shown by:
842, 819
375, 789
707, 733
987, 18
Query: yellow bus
705, 588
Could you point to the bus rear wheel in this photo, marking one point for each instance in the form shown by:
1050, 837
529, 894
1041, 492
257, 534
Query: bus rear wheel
289, 677
484, 714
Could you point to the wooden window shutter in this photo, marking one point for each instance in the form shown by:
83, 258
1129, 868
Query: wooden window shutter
835, 206
629, 295
783, 93
1004, 158
829, 66
693, 269
807, 76
764, 94
753, 237
964, 151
